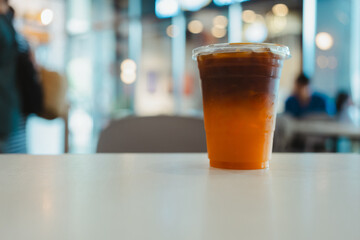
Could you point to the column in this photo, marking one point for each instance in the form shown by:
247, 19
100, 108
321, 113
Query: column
235, 22
309, 32
178, 50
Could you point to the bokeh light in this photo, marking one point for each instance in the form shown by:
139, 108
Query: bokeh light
166, 8
324, 41
248, 16
218, 32
195, 26
128, 78
280, 10
220, 21
223, 2
259, 18
47, 16
256, 32
128, 71
322, 61
128, 65
172, 31
269, 16
278, 24
193, 5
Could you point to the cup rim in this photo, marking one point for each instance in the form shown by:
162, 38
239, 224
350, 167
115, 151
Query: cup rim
279, 49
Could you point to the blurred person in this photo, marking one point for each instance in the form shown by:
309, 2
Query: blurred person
17, 75
345, 108
305, 102
10, 110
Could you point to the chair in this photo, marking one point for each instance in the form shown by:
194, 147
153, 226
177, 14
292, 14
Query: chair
157, 134
283, 133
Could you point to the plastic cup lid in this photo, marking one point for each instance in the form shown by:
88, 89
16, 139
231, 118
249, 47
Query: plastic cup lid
242, 47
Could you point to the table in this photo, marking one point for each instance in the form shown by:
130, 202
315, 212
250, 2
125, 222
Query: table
326, 128
177, 196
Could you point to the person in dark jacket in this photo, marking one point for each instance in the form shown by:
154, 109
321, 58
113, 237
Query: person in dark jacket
12, 122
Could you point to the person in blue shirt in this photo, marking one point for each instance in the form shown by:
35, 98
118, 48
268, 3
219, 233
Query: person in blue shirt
305, 102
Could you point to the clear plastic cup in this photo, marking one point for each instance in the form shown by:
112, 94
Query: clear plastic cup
240, 86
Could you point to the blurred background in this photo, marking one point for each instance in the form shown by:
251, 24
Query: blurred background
134, 57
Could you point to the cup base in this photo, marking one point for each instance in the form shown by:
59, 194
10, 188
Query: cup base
239, 166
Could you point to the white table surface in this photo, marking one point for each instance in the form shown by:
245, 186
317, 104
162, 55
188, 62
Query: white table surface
177, 196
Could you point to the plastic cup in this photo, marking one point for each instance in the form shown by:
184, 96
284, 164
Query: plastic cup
239, 87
